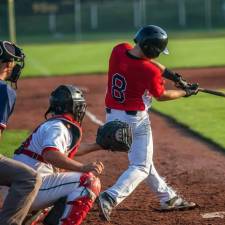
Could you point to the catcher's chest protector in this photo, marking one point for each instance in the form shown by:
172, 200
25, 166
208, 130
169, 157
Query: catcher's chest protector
76, 132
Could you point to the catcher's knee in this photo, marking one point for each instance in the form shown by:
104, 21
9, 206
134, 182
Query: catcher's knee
75, 210
92, 184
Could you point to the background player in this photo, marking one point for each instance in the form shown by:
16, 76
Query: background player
132, 82
50, 150
23, 181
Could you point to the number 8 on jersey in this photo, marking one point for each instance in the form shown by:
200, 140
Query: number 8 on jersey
118, 87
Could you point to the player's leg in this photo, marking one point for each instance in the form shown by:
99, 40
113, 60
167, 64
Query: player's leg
156, 182
168, 198
77, 207
24, 184
139, 163
80, 191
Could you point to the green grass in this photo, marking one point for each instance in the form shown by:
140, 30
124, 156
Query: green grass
204, 114
58, 59
11, 140
92, 57
203, 52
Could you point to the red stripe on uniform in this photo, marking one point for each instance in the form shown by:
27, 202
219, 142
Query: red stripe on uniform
49, 149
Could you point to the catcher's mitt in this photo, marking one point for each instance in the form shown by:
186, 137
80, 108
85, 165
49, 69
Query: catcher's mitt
115, 135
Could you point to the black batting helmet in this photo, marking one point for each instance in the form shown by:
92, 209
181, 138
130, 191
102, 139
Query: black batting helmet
67, 99
152, 41
11, 52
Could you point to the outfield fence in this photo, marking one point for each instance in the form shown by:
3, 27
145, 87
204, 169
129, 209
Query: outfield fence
79, 18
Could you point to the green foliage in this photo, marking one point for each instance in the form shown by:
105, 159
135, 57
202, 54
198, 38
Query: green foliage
92, 57
11, 140
203, 113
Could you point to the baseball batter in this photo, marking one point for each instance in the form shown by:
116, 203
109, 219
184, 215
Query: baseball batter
23, 181
133, 80
50, 150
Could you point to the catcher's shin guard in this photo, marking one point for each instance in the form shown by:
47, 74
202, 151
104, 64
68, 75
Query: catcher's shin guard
76, 210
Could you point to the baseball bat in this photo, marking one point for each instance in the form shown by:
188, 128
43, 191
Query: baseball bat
212, 92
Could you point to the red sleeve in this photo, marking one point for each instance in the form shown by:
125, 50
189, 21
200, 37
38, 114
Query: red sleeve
47, 149
155, 81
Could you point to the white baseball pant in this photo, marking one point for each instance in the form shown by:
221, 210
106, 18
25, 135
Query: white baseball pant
140, 156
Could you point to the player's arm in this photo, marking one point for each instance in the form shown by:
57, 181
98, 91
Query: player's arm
159, 65
2, 126
0, 134
157, 88
7, 100
166, 73
171, 95
86, 148
178, 80
161, 94
54, 151
59, 160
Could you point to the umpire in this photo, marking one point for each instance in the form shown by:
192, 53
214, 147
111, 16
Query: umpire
23, 181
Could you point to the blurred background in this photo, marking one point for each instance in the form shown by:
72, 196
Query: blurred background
81, 20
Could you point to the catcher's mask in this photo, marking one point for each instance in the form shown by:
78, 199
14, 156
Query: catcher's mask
152, 40
9, 52
67, 99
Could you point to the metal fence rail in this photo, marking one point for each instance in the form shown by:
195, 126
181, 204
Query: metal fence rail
76, 17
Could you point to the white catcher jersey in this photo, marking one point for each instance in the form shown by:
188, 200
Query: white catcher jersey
52, 135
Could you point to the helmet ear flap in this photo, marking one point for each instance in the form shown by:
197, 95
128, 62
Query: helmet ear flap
149, 50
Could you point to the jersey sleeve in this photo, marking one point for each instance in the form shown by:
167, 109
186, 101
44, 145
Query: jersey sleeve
155, 82
7, 102
56, 138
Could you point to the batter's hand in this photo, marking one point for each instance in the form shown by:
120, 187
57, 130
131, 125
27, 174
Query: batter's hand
192, 90
97, 167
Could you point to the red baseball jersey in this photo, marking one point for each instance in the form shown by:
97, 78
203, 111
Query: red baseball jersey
129, 78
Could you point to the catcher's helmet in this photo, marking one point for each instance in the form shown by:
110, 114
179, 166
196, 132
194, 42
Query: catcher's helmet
67, 99
152, 41
10, 52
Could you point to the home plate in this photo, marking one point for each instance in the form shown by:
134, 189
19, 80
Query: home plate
213, 215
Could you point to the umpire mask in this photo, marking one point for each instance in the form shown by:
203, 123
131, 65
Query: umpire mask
67, 99
9, 52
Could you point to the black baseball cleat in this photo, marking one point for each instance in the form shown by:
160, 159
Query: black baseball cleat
105, 205
177, 203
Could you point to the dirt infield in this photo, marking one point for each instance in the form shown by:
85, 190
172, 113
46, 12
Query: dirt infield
194, 168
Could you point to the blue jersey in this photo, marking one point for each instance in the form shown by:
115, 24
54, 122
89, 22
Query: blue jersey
7, 102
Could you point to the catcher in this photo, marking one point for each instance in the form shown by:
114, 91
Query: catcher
50, 150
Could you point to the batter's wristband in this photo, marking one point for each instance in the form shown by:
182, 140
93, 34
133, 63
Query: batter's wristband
168, 74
